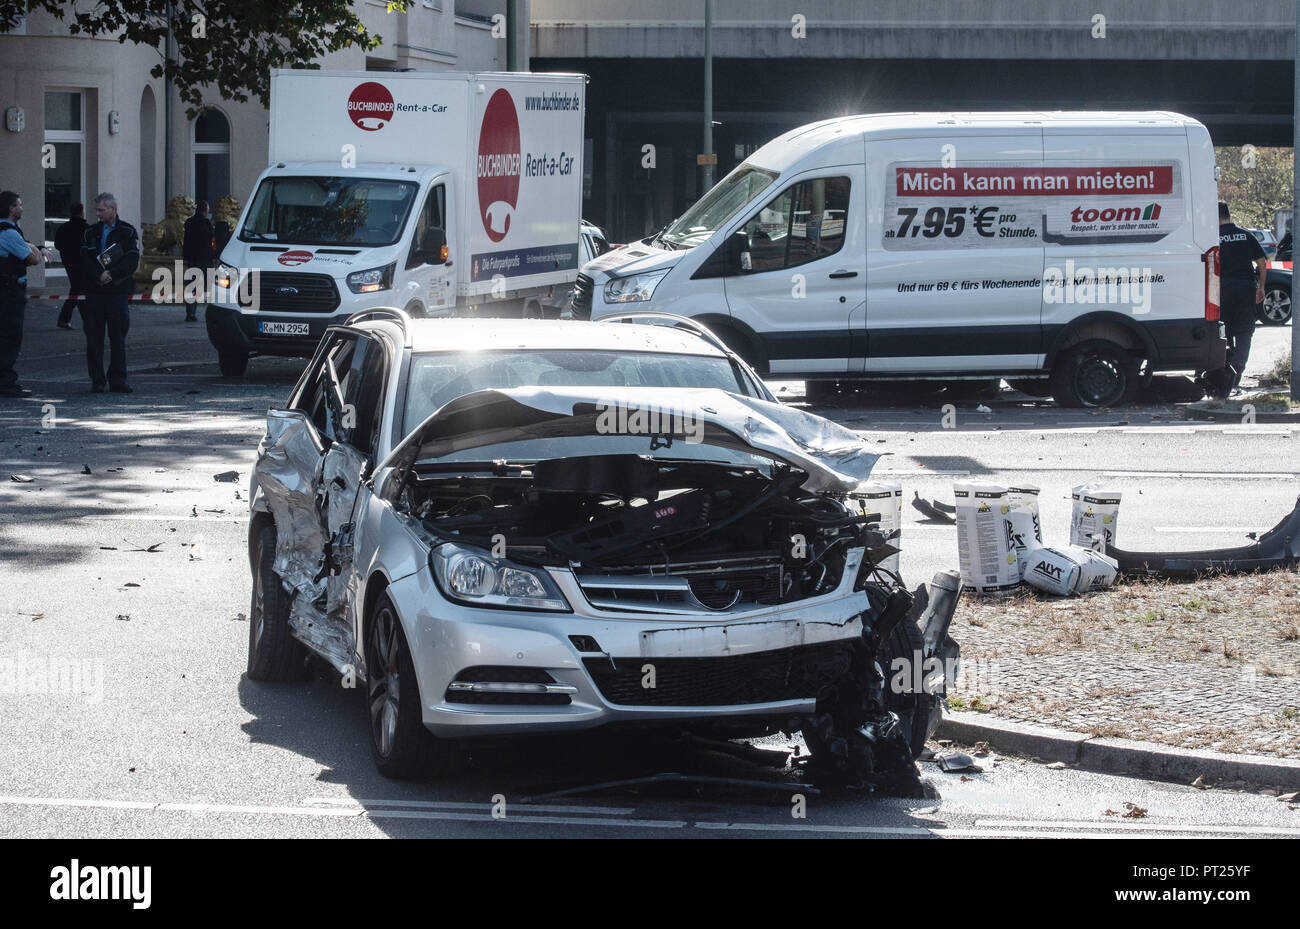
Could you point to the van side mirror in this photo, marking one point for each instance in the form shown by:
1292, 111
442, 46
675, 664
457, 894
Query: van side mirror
739, 248
432, 249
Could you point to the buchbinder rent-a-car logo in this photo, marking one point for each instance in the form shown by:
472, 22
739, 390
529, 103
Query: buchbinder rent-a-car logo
499, 158
294, 258
371, 106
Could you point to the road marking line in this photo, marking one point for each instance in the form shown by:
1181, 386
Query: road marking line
471, 805
919, 472
813, 827
1199, 529
516, 818
74, 802
1139, 827
256, 810
1212, 475
127, 517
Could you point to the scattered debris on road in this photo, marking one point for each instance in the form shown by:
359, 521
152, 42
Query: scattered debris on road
956, 762
226, 477
934, 509
21, 478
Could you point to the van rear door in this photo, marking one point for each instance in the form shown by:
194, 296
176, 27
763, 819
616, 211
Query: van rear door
954, 270
806, 271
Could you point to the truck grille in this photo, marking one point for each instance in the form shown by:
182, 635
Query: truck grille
283, 292
762, 677
583, 289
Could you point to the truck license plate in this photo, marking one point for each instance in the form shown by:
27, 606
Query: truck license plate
284, 328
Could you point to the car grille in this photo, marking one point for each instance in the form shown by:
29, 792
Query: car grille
282, 292
717, 584
762, 677
583, 289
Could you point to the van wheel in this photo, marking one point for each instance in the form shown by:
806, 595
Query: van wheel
273, 653
232, 364
401, 746
1096, 373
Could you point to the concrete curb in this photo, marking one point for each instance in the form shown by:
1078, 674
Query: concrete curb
1117, 756
1234, 416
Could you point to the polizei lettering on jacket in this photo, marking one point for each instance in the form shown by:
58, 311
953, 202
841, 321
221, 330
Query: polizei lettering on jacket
499, 164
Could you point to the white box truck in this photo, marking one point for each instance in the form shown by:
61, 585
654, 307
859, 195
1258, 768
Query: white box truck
1074, 253
436, 192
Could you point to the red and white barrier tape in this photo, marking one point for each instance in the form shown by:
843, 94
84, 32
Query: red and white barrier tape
134, 298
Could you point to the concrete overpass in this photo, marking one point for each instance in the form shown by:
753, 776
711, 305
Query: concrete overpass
1226, 62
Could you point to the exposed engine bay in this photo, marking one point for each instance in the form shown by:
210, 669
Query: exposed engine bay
738, 534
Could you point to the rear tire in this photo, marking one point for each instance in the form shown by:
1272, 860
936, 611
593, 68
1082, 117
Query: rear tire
232, 364
1093, 374
273, 653
401, 746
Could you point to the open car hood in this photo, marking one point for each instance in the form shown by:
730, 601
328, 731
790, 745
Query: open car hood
835, 458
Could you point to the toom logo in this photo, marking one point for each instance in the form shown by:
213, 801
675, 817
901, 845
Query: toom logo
371, 106
293, 259
1118, 214
499, 158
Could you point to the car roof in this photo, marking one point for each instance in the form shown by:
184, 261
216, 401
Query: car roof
462, 335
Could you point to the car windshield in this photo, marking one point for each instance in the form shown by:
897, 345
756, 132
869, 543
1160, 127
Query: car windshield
440, 377
712, 211
328, 211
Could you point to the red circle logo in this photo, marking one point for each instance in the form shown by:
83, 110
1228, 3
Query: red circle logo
371, 106
292, 259
498, 165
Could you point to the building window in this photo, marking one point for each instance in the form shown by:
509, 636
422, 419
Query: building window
210, 179
64, 157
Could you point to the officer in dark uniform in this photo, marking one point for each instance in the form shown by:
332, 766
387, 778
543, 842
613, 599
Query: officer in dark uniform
16, 255
111, 253
67, 241
1241, 287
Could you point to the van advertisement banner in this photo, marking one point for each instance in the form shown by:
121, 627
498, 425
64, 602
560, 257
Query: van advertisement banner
932, 206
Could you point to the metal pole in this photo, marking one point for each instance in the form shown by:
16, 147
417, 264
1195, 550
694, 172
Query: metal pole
1295, 202
708, 89
167, 114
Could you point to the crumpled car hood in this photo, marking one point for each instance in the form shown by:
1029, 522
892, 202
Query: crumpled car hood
835, 458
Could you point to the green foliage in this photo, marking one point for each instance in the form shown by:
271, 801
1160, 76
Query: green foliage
231, 45
1254, 182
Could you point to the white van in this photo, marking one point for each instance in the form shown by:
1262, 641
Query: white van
1074, 253
441, 193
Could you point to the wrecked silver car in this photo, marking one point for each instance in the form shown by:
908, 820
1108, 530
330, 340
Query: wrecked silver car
507, 527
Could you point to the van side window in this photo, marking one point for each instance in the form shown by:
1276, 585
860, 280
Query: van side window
803, 223
433, 216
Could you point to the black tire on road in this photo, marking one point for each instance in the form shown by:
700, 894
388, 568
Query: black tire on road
1096, 373
273, 653
401, 746
232, 364
902, 696
1276, 308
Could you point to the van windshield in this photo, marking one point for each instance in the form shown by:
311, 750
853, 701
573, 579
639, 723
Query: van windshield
329, 211
712, 211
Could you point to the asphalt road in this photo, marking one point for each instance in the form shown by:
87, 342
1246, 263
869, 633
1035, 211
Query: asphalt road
131, 582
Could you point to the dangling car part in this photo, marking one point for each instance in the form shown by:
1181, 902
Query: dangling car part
1277, 548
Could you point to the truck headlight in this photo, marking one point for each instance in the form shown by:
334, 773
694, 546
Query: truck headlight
633, 289
367, 282
227, 276
475, 578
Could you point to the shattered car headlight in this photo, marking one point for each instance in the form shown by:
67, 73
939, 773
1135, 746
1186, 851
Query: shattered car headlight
633, 289
476, 578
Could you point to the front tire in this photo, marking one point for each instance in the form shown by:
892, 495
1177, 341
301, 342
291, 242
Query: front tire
401, 746
1276, 308
1096, 373
273, 653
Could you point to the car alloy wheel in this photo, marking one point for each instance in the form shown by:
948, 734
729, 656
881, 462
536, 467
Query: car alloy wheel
384, 675
1276, 309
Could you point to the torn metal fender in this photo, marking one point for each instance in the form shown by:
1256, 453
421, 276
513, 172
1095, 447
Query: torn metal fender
1277, 548
286, 476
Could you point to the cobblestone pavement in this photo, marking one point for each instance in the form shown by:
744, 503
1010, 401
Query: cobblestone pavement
1207, 664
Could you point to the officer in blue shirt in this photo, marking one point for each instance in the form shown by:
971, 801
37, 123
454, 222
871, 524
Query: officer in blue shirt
16, 254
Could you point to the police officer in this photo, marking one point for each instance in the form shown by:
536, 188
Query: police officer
111, 253
67, 241
1241, 286
196, 249
16, 255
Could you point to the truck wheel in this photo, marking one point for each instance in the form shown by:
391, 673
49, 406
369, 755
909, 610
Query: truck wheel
401, 746
1276, 308
1096, 373
232, 364
273, 653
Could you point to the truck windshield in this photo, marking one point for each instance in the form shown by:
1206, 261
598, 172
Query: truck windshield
329, 211
716, 207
